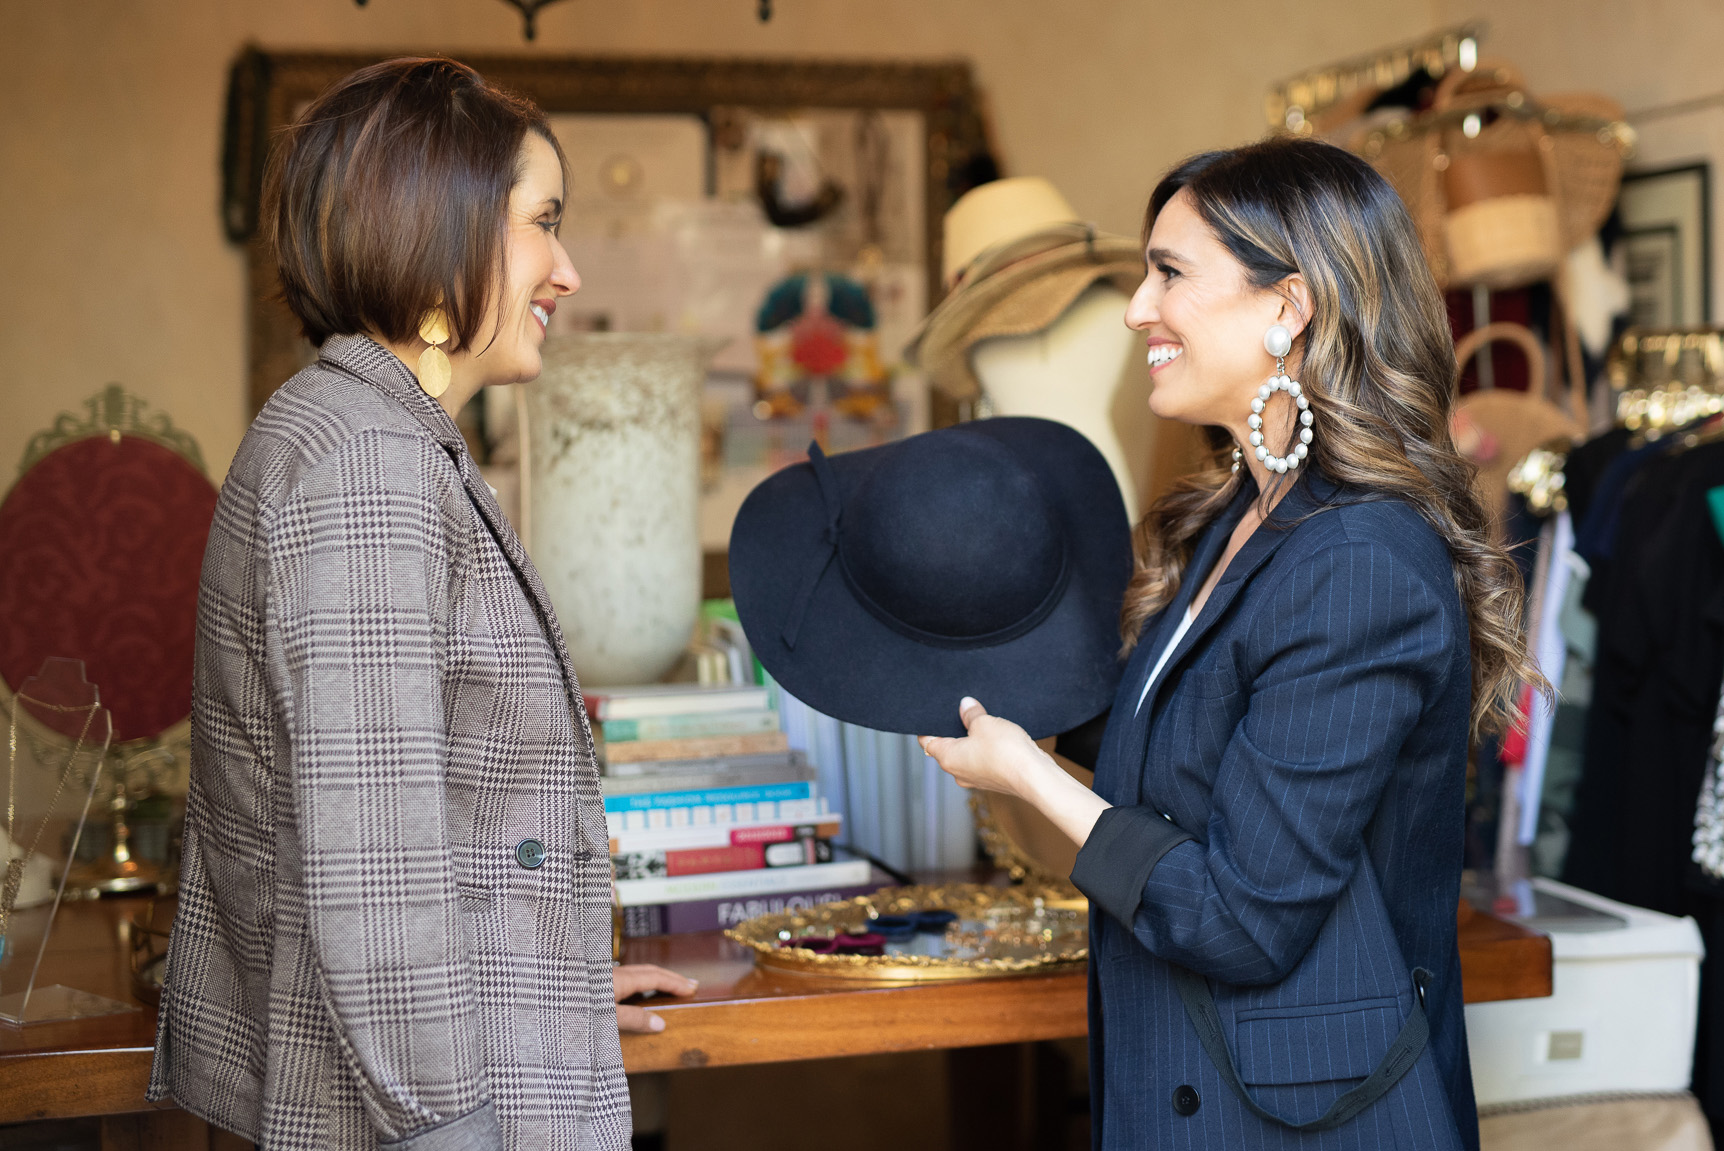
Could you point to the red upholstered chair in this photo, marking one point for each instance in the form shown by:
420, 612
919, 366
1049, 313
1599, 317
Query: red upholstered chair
102, 538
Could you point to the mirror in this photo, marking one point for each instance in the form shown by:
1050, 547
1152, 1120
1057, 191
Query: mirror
866, 157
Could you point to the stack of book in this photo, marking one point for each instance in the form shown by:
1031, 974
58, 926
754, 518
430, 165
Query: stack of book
712, 818
678, 722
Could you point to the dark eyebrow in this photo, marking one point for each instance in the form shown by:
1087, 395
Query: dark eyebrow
555, 205
1165, 256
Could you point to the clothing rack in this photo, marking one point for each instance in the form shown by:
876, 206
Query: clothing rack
1665, 381
1626, 617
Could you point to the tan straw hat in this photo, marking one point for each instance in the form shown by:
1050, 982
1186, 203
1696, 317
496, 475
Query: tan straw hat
1020, 258
1500, 184
998, 212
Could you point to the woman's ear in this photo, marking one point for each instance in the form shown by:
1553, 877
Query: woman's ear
1295, 296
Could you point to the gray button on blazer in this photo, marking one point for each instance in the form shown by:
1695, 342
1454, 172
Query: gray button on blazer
383, 714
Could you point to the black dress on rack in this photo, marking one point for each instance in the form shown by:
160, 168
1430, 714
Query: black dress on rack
1658, 596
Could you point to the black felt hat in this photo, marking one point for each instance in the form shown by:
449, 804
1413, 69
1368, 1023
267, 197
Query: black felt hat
881, 586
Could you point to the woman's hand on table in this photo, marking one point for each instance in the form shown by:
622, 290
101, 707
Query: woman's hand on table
998, 755
635, 978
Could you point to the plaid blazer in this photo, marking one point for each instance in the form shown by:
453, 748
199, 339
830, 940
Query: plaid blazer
367, 952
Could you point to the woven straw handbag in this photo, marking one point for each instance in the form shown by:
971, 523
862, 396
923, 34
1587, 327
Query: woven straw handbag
1501, 185
1508, 423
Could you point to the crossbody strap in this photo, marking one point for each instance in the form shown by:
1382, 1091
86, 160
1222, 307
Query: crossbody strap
1199, 1003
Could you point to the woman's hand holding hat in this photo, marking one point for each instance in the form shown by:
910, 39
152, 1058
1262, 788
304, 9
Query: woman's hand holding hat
998, 755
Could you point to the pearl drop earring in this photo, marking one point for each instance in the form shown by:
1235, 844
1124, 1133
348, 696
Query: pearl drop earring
1278, 341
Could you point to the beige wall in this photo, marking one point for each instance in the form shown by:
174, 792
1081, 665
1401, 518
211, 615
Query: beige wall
112, 262
1645, 55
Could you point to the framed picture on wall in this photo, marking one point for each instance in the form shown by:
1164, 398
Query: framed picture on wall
1667, 238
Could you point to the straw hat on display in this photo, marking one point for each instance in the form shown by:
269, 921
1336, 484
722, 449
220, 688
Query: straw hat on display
1016, 257
1500, 184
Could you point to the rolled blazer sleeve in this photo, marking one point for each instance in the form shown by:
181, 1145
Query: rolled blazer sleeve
1353, 649
361, 569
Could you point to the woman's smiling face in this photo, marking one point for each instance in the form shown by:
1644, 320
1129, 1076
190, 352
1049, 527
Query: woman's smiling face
1203, 322
538, 270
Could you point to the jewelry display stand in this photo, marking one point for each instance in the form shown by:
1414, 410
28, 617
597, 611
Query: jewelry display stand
47, 800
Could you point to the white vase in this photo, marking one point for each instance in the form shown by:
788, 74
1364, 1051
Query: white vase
612, 498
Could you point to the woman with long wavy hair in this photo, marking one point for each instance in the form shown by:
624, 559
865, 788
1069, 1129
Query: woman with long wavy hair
1316, 626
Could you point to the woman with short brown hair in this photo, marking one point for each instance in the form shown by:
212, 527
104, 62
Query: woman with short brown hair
394, 925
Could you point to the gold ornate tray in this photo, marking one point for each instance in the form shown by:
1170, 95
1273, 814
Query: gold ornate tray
997, 931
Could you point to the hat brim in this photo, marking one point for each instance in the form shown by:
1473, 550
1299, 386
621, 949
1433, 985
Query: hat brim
1004, 266
848, 664
1020, 298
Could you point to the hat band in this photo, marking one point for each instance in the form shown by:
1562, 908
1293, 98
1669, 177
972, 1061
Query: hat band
988, 639
834, 504
829, 550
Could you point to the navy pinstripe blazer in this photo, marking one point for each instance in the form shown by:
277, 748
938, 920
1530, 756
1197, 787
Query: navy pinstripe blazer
1310, 731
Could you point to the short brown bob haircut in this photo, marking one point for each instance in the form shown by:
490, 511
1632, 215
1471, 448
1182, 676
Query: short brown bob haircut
389, 196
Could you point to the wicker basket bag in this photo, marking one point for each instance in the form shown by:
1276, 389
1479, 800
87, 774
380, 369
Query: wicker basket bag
1501, 185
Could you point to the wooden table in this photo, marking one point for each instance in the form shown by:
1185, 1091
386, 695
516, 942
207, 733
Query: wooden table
741, 1014
748, 1014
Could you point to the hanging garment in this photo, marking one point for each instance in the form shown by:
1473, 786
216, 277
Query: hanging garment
1550, 649
1660, 607
1657, 590
1709, 812
1596, 537
1566, 746
1584, 467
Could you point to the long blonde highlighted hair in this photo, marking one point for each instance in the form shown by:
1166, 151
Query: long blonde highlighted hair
1378, 365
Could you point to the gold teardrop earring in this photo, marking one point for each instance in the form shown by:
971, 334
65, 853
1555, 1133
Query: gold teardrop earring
434, 371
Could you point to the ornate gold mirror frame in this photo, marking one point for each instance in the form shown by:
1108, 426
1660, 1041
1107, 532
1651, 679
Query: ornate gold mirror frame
140, 766
266, 88
111, 413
